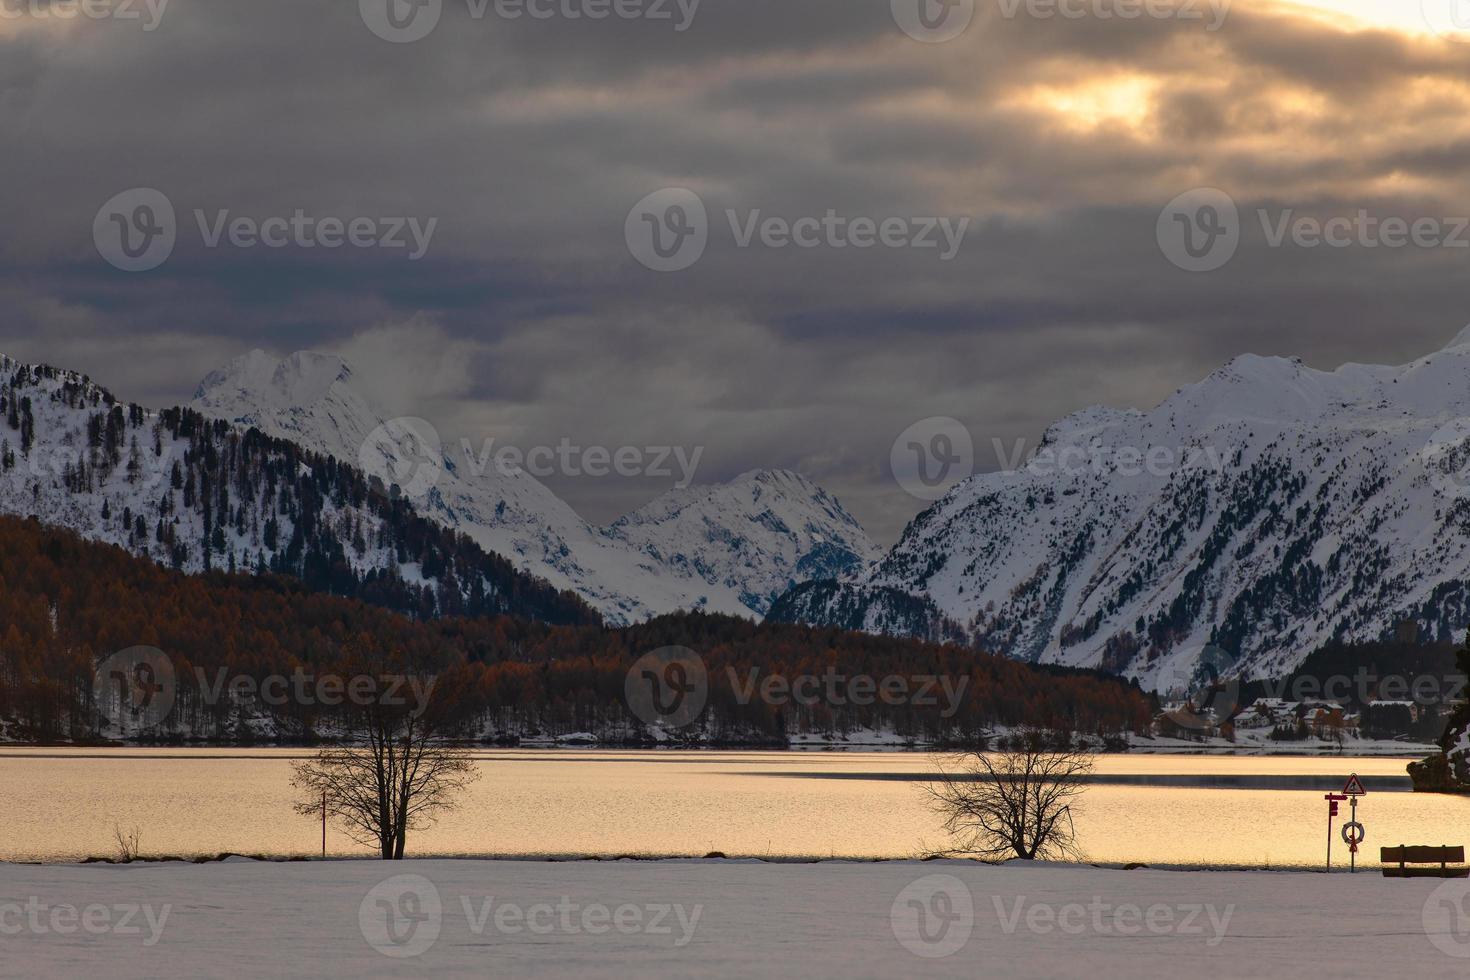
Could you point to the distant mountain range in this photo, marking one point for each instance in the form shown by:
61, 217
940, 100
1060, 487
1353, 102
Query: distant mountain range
730, 548
1246, 520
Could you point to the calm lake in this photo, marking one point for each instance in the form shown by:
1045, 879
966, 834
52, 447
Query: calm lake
62, 804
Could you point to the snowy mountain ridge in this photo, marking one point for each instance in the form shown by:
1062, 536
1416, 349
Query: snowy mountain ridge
730, 548
1265, 510
198, 494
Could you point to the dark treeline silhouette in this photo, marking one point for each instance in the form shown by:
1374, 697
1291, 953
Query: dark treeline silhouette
66, 604
1401, 687
1448, 771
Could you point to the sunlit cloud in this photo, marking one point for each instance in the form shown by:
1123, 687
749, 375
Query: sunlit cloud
1061, 139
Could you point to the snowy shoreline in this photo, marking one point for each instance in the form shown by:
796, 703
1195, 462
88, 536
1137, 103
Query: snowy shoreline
716, 919
1249, 743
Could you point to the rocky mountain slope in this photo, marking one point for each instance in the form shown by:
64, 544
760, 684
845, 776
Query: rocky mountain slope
199, 494
729, 548
1262, 511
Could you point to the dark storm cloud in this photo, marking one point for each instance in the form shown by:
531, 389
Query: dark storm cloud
528, 320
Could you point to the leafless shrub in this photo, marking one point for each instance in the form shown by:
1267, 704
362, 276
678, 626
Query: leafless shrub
129, 843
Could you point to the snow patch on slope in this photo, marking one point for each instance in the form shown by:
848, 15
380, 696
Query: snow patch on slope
1267, 509
728, 548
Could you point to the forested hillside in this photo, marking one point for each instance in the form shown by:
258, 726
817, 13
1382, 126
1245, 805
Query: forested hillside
66, 604
198, 494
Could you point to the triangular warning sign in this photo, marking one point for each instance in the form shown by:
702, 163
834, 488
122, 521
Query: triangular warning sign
1354, 786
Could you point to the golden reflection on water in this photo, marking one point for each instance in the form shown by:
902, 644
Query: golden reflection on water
62, 804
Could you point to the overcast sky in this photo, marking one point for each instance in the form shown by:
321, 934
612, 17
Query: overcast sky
530, 319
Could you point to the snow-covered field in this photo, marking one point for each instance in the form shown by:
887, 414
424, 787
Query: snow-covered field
720, 919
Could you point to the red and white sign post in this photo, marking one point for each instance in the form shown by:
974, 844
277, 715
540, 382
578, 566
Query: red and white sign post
1333, 799
1353, 833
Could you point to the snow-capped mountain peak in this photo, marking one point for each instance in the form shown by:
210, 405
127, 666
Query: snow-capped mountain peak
725, 548
1460, 339
262, 381
760, 534
1266, 509
307, 398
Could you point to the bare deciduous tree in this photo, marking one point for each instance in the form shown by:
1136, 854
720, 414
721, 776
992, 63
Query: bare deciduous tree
1014, 803
392, 774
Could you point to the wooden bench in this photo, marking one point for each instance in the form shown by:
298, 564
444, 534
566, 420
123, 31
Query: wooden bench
1397, 861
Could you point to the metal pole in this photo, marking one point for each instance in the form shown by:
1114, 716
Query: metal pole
1329, 838
324, 823
1354, 850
